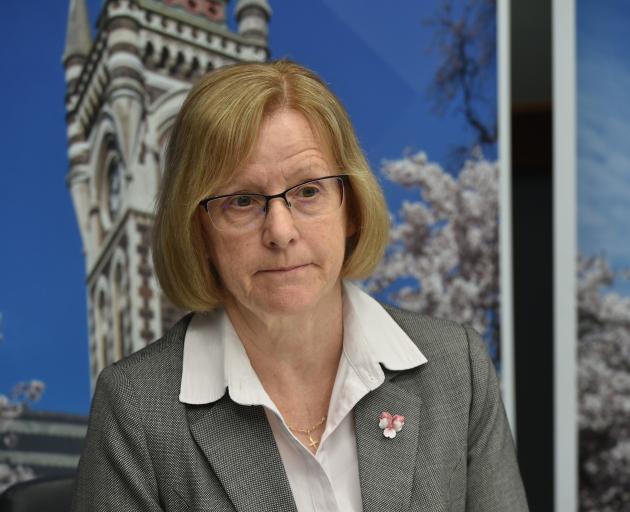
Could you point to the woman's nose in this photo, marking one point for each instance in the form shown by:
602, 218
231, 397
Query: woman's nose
279, 230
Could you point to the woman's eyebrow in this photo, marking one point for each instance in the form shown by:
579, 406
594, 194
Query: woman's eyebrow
248, 185
241, 191
242, 186
311, 172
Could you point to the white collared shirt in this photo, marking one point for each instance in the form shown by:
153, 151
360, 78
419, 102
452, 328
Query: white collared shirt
215, 359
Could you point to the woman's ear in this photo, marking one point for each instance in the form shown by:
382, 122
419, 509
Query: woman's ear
352, 218
351, 226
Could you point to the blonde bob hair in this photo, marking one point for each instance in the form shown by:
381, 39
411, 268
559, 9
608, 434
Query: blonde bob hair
212, 137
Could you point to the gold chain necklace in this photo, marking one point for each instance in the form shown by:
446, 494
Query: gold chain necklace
311, 442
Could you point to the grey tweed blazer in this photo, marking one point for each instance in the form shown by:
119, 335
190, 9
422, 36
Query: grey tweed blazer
146, 451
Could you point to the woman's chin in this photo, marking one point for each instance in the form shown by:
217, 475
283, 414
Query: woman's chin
289, 299
287, 302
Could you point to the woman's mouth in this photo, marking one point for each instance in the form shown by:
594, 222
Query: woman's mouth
281, 270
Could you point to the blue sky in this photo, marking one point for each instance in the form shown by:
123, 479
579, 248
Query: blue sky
374, 57
603, 131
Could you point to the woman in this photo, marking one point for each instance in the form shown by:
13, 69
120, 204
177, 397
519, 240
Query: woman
288, 388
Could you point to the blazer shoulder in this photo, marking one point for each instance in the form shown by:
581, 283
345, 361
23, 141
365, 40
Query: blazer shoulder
159, 359
433, 336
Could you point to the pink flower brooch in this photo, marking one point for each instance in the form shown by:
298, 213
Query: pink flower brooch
390, 424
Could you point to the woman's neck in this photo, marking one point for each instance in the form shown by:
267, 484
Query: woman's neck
288, 348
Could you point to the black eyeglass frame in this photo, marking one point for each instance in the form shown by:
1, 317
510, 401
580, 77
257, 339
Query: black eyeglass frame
343, 177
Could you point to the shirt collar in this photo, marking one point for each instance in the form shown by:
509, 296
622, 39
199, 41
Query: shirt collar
215, 359
376, 333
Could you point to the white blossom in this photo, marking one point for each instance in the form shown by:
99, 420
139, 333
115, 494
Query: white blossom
11, 407
604, 388
446, 242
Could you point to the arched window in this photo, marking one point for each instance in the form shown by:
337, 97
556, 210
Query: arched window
101, 329
118, 313
114, 187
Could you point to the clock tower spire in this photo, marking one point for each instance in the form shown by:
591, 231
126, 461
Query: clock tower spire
253, 20
78, 37
124, 88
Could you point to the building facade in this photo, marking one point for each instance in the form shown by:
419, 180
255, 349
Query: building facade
42, 443
124, 87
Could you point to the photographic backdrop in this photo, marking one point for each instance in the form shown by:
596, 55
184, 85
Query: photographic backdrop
603, 273
420, 83
592, 260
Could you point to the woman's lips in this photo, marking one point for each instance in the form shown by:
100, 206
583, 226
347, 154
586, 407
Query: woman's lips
281, 270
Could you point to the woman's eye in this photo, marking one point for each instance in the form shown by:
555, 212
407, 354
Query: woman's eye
241, 201
308, 192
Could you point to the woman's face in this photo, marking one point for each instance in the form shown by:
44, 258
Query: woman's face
289, 264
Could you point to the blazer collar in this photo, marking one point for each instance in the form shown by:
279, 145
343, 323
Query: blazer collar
387, 466
239, 444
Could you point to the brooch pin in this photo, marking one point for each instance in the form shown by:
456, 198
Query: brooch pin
390, 424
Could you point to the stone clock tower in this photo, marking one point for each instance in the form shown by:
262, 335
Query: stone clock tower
124, 88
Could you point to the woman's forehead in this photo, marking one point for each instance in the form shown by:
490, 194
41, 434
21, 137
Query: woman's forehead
304, 166
284, 135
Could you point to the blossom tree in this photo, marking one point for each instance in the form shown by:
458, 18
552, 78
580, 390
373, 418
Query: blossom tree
442, 259
444, 246
11, 407
604, 388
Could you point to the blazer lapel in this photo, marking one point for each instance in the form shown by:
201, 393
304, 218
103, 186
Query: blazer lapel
239, 444
387, 466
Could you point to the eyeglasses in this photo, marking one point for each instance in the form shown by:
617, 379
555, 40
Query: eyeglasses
244, 211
